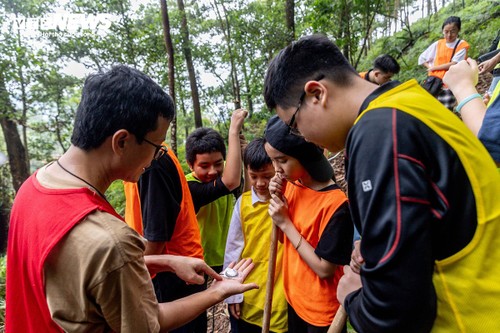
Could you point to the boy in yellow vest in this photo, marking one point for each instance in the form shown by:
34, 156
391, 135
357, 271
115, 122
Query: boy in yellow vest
313, 214
423, 192
249, 235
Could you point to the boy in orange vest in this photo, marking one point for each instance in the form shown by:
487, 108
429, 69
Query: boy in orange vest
248, 236
384, 68
160, 208
313, 214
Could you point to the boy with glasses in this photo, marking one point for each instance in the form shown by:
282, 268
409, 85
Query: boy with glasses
74, 265
423, 192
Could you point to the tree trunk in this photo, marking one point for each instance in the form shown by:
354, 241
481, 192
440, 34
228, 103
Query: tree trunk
248, 92
23, 83
17, 154
171, 70
290, 20
189, 64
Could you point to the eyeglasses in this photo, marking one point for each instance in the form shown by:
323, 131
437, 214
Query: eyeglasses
292, 126
159, 151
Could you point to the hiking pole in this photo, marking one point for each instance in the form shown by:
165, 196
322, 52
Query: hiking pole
338, 321
273, 249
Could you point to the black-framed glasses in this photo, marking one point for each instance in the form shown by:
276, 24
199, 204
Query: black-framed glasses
292, 126
159, 151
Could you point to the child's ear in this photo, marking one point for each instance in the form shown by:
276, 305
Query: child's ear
315, 88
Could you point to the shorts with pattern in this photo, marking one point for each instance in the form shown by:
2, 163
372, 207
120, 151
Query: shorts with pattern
446, 98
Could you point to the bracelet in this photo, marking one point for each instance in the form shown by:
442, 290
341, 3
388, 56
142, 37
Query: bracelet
299, 243
465, 101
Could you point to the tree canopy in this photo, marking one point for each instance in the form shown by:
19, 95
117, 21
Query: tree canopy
220, 49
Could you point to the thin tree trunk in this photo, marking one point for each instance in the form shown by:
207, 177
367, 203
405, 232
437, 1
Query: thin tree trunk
17, 154
248, 92
189, 64
367, 34
58, 127
290, 20
24, 103
171, 70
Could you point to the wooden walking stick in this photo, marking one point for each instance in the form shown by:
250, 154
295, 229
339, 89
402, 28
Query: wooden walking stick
338, 321
273, 249
271, 271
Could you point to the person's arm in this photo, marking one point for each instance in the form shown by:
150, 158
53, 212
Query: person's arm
234, 248
205, 193
278, 210
177, 313
442, 67
426, 58
457, 57
462, 80
488, 65
231, 177
192, 270
160, 191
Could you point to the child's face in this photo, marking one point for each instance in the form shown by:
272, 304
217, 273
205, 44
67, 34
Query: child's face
259, 179
207, 167
289, 167
450, 32
382, 77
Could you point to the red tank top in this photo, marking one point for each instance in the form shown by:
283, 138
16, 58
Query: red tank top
40, 218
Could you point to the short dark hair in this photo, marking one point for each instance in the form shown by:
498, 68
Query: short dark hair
204, 140
121, 98
386, 64
303, 60
255, 156
453, 20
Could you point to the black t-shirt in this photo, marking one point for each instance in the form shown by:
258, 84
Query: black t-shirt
160, 190
205, 193
335, 244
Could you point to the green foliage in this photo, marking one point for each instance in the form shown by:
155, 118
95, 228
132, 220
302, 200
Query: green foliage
116, 197
257, 32
480, 25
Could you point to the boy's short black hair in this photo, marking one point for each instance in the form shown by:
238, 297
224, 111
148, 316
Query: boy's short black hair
121, 98
255, 156
204, 140
303, 60
453, 20
386, 64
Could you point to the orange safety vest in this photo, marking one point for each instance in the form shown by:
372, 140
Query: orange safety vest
312, 298
186, 239
444, 54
